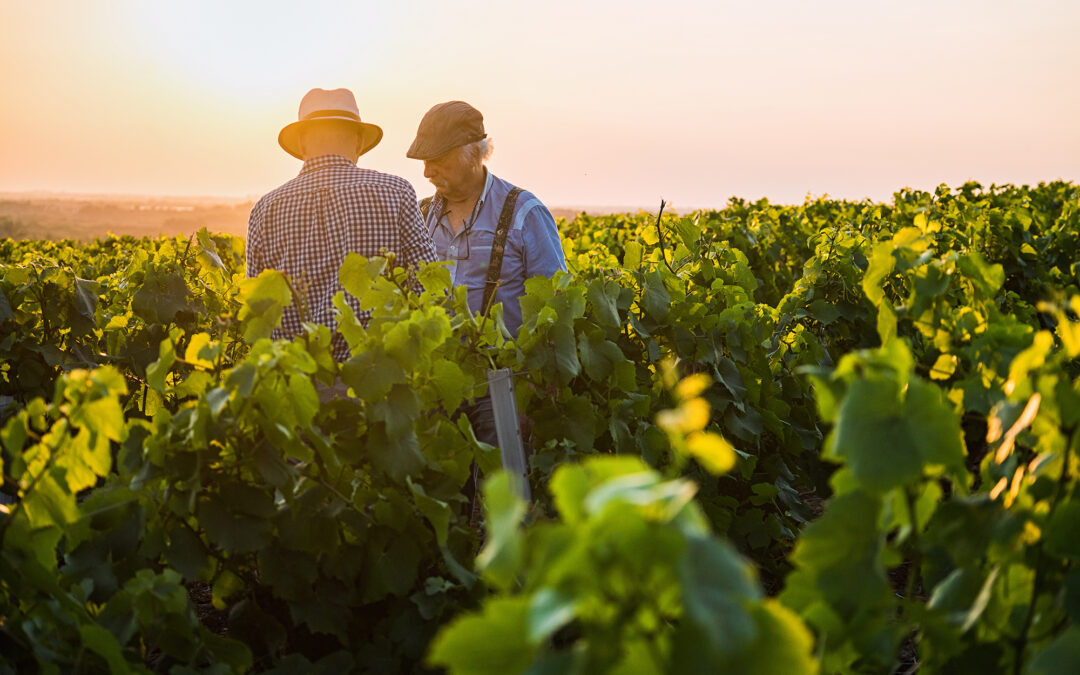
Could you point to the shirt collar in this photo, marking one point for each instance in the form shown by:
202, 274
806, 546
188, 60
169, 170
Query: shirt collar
487, 187
323, 161
483, 193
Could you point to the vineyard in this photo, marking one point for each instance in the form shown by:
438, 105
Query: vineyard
839, 437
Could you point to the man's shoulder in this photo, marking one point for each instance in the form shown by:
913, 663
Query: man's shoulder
339, 176
500, 189
385, 180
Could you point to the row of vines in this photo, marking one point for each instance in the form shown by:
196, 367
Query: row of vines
837, 437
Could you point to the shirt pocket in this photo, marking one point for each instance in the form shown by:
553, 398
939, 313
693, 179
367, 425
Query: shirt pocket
481, 239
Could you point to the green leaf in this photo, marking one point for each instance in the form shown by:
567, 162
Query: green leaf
225, 586
400, 410
390, 567
881, 265
566, 358
987, 279
103, 416
86, 297
216, 400
450, 382
501, 557
357, 274
202, 351
194, 385
839, 559
371, 375
1063, 531
264, 298
571, 483
242, 379
712, 451
716, 585
6, 312
225, 651
310, 533
944, 367
655, 299
435, 278
304, 399
185, 553
963, 595
690, 234
889, 440
1031, 358
599, 356
104, 644
824, 311
208, 255
291, 574
783, 644
162, 297
156, 371
886, 322
549, 611
603, 296
50, 501
397, 455
234, 532
436, 511
1060, 657
632, 252
493, 642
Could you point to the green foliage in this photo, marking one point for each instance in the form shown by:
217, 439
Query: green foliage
764, 439
627, 577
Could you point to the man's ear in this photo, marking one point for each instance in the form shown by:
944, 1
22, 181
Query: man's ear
301, 139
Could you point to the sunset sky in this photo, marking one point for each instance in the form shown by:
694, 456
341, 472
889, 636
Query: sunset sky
616, 103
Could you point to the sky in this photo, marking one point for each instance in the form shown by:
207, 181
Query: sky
588, 102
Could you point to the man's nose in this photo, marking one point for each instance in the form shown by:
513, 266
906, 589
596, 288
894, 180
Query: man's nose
429, 170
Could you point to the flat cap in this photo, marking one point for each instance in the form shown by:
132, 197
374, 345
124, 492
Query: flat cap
445, 127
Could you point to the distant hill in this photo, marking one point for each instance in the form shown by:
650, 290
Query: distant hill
84, 217
43, 215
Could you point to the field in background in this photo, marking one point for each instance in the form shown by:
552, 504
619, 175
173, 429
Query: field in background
86, 217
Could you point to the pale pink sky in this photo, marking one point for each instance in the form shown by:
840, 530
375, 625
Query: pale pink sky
589, 103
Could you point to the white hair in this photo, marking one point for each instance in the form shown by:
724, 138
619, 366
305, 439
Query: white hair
477, 152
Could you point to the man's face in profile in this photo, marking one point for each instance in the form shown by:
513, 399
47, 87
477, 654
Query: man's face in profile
447, 172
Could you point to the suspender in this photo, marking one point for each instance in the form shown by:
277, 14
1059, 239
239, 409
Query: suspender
498, 245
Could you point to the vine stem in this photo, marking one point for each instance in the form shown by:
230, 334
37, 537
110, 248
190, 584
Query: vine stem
660, 236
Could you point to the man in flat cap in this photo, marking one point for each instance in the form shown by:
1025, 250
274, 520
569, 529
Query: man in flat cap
306, 227
495, 235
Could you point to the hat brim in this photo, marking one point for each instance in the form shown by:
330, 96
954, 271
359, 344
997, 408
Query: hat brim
289, 138
425, 149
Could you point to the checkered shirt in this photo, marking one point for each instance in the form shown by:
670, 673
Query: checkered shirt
305, 228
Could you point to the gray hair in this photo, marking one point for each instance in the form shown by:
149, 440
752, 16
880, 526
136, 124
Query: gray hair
477, 152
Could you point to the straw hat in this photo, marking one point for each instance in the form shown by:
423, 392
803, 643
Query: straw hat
321, 104
445, 127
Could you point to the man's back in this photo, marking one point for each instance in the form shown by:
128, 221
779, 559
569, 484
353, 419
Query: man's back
306, 227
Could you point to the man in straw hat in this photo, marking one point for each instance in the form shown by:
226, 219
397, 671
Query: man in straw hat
495, 235
306, 227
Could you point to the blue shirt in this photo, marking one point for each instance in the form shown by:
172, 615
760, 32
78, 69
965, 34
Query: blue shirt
533, 247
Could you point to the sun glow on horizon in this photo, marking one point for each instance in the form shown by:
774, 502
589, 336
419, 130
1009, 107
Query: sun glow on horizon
588, 103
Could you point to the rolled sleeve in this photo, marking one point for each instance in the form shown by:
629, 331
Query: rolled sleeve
543, 254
